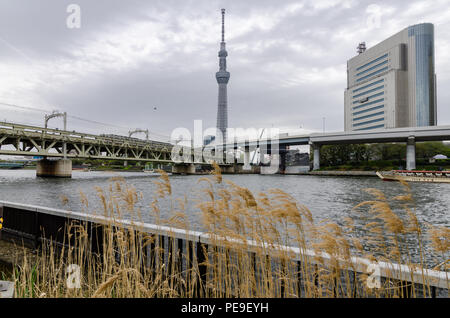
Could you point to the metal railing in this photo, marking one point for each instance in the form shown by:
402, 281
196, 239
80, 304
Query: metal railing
31, 224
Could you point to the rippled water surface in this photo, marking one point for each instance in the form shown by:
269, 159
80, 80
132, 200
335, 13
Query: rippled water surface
327, 197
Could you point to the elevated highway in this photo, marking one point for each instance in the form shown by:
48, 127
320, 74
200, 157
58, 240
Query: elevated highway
408, 135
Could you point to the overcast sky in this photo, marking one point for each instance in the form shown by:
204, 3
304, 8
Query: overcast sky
287, 60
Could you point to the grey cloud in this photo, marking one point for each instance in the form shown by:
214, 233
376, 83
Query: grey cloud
289, 72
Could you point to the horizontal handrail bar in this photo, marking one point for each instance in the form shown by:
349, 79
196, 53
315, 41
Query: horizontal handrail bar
400, 272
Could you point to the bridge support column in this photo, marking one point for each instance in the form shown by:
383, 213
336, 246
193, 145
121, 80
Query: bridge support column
411, 154
228, 169
247, 159
183, 168
316, 163
191, 169
54, 168
262, 152
283, 156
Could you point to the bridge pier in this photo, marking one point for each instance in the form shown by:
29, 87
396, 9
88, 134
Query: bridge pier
283, 156
188, 168
54, 168
316, 163
247, 159
228, 169
262, 153
411, 154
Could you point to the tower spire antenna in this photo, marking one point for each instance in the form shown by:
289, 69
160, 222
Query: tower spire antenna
222, 77
223, 25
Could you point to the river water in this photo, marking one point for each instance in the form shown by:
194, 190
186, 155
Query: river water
329, 198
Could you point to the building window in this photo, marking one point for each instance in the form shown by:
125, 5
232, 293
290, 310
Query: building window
424, 64
368, 104
368, 110
371, 68
368, 122
368, 98
369, 91
373, 74
373, 127
369, 85
368, 116
371, 62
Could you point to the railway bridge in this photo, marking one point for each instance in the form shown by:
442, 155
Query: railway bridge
25, 140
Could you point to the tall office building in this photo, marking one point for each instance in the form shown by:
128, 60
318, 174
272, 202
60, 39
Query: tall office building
393, 84
222, 77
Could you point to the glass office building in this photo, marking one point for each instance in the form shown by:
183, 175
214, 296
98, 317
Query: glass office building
393, 84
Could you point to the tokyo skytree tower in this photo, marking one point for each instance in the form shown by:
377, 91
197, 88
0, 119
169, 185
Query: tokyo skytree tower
222, 77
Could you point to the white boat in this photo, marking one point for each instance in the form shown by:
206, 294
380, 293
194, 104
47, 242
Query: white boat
415, 176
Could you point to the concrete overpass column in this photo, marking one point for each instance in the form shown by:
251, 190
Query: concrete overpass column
283, 156
247, 159
262, 153
411, 154
316, 163
236, 165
